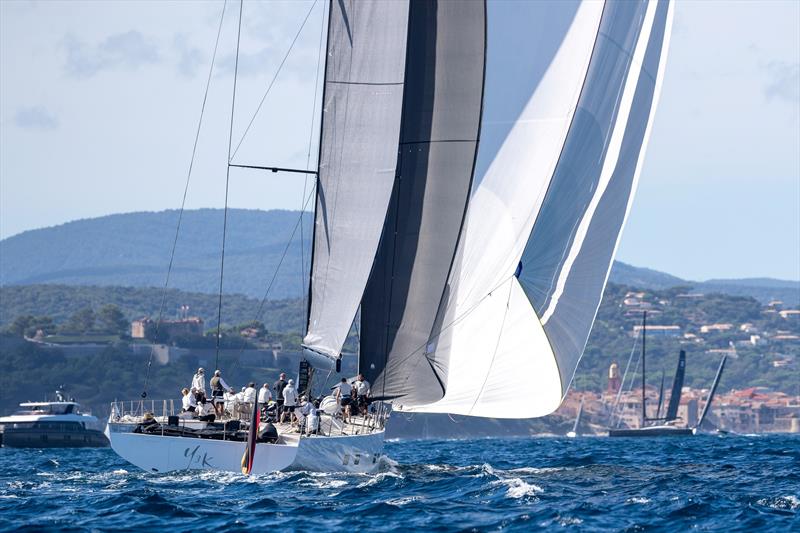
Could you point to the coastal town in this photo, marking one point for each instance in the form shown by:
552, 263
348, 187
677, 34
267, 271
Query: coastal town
759, 393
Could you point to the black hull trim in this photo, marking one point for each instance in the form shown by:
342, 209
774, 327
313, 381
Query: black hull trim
652, 432
15, 438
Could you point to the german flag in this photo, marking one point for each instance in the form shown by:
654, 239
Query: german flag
252, 438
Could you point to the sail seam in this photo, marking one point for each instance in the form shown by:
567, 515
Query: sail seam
366, 82
432, 141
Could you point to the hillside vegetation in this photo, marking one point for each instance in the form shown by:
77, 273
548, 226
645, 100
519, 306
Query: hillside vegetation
118, 373
133, 249
60, 302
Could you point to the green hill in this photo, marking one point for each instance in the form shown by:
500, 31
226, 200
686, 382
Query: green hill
62, 301
133, 250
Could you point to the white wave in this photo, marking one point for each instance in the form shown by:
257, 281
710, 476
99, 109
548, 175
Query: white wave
404, 501
329, 484
377, 478
528, 470
120, 472
638, 499
781, 502
569, 521
517, 488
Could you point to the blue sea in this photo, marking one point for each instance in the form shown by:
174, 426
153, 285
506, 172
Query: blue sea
585, 484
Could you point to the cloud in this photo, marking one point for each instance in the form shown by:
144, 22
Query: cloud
189, 57
129, 50
784, 81
36, 117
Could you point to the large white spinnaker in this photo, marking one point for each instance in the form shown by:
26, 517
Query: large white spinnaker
363, 93
545, 220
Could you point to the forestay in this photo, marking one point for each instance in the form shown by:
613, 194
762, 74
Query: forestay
363, 94
557, 179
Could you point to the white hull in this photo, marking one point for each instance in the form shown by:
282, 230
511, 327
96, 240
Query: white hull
158, 453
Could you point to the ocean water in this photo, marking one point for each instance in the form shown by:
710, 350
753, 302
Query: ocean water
709, 483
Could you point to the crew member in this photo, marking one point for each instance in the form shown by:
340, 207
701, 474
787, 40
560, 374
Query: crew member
189, 402
289, 402
218, 389
278, 388
199, 381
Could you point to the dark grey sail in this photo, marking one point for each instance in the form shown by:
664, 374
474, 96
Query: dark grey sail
677, 386
361, 115
442, 102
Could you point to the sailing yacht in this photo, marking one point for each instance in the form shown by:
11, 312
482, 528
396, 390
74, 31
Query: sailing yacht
477, 163
574, 432
665, 426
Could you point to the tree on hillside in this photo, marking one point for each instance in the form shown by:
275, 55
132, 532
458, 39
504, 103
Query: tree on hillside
29, 325
82, 321
111, 320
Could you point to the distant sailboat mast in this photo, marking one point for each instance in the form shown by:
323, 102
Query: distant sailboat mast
644, 373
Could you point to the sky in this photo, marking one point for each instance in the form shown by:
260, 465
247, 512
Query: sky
99, 105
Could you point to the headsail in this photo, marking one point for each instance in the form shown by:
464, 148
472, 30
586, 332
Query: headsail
438, 143
363, 93
545, 219
677, 387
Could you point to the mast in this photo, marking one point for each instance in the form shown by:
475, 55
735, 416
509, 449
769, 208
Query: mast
644, 349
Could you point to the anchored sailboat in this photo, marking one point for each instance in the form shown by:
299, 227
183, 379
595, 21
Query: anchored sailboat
477, 163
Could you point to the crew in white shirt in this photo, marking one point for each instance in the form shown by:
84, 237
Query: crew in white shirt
199, 381
289, 402
249, 395
188, 401
206, 411
264, 394
361, 385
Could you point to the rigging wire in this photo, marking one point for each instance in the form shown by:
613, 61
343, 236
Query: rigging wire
227, 187
274, 275
622, 383
183, 201
633, 380
271, 83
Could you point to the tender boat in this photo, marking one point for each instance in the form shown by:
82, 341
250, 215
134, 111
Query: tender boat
58, 424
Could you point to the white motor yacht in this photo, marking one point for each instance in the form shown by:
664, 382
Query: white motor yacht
58, 424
